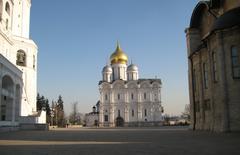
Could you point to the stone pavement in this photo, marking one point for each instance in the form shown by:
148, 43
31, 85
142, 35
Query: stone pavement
119, 141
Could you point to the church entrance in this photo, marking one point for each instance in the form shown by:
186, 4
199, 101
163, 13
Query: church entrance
119, 122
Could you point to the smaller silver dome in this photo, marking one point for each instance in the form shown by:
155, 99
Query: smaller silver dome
107, 68
132, 67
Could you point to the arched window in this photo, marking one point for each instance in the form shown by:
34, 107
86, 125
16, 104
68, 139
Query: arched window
106, 118
17, 101
113, 74
6, 24
119, 113
145, 96
205, 75
119, 75
215, 71
132, 96
235, 62
21, 58
34, 61
7, 101
7, 8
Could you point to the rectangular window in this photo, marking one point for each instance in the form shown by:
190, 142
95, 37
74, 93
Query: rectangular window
215, 72
132, 96
132, 113
106, 118
145, 112
235, 63
145, 96
106, 97
205, 75
118, 96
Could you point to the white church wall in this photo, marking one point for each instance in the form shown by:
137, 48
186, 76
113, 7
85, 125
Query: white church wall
128, 96
132, 98
29, 74
14, 36
21, 18
134, 117
11, 102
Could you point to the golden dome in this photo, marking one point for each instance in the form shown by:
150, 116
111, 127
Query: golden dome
119, 56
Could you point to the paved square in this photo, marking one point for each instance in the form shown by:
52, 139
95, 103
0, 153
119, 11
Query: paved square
122, 141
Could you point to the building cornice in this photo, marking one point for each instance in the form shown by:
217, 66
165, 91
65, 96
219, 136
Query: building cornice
138, 82
6, 37
25, 40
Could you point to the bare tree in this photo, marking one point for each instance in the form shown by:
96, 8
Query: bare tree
73, 115
186, 113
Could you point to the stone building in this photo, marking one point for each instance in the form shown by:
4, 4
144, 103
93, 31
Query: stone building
92, 118
126, 100
18, 66
213, 41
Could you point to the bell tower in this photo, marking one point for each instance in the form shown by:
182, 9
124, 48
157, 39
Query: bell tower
25, 54
21, 18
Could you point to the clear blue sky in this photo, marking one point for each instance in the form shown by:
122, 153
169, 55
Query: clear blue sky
76, 38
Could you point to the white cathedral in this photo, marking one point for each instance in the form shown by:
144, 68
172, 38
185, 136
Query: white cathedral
18, 66
126, 100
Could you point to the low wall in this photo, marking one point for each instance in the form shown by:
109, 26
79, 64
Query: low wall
142, 124
15, 126
9, 128
133, 124
27, 126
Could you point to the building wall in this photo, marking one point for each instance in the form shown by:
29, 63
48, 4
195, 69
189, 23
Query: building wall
29, 72
232, 37
14, 36
92, 119
10, 93
216, 107
119, 71
230, 4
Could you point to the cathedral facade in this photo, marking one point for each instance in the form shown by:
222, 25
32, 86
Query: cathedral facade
18, 65
213, 41
126, 100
